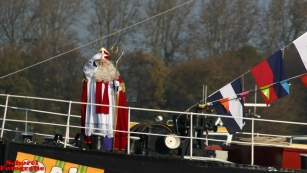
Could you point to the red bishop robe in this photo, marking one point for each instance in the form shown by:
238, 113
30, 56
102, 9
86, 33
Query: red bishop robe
101, 97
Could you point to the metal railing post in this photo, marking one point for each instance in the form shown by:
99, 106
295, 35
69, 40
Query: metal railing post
26, 123
252, 149
191, 135
4, 115
67, 125
128, 139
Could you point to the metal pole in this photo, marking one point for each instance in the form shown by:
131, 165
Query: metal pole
191, 136
67, 125
255, 99
26, 123
206, 94
128, 142
252, 149
4, 115
203, 94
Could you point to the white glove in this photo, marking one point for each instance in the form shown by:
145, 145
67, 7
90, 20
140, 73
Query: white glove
116, 83
96, 57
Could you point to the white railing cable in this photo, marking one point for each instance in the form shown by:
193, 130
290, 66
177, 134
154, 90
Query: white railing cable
157, 110
176, 112
37, 98
191, 135
264, 134
4, 115
38, 134
40, 111
34, 122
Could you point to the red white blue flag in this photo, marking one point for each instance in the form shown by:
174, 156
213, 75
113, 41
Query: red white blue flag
227, 101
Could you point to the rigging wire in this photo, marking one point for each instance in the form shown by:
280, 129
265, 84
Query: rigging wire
255, 90
234, 97
145, 20
249, 91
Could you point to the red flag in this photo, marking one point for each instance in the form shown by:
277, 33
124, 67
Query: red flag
304, 79
268, 72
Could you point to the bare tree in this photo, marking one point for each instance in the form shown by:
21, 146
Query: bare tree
54, 21
110, 16
282, 22
223, 25
166, 34
15, 22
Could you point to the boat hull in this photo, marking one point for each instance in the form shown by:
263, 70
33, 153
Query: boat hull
113, 162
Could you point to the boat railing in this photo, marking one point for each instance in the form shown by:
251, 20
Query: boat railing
191, 136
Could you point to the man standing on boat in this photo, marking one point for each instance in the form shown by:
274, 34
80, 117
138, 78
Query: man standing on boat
101, 84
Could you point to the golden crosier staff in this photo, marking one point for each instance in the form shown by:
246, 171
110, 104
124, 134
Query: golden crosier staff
114, 50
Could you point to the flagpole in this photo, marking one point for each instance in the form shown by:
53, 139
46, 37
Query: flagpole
255, 99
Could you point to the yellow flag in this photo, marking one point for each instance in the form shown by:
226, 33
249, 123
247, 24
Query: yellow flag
266, 91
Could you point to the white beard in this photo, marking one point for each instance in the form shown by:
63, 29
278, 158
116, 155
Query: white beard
106, 73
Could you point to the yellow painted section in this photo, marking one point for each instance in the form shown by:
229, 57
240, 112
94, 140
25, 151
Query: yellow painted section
221, 129
133, 124
48, 165
299, 145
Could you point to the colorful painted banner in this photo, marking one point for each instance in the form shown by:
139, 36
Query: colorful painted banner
29, 163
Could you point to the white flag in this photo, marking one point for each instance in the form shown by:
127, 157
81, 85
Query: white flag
301, 46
